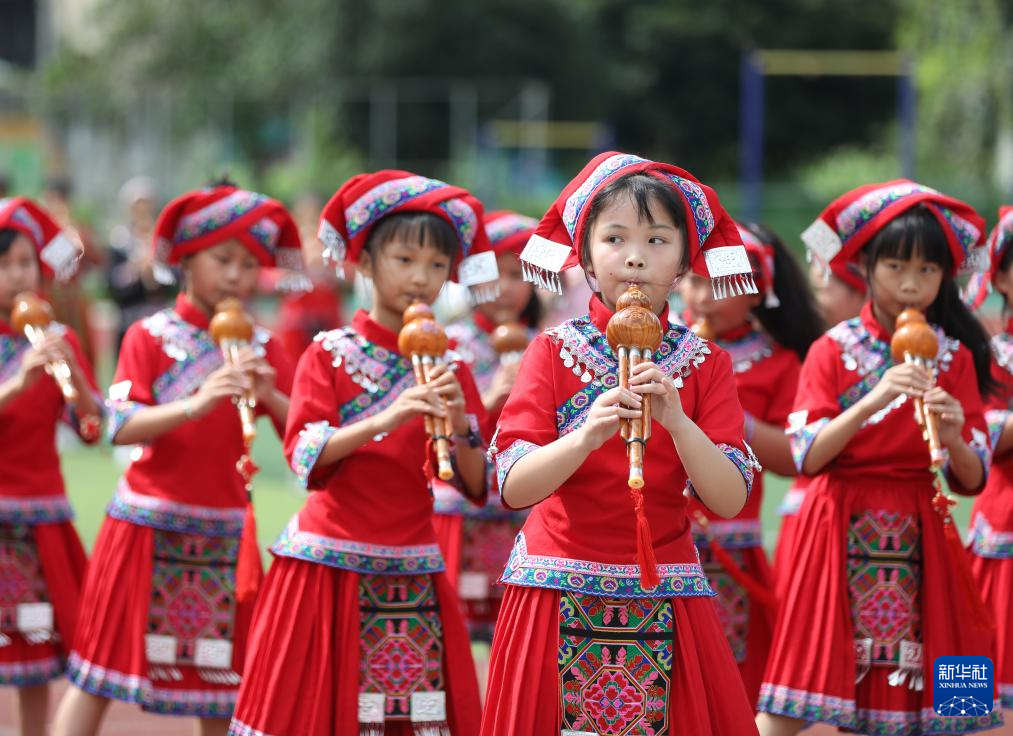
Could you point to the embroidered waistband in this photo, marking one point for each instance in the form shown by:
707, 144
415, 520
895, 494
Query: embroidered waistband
735, 534
601, 578
363, 557
173, 516
37, 510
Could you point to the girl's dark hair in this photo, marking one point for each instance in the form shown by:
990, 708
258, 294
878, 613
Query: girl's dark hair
918, 233
642, 190
414, 227
7, 236
221, 181
533, 312
795, 323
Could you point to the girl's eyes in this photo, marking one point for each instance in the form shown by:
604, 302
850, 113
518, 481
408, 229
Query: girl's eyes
613, 239
657, 240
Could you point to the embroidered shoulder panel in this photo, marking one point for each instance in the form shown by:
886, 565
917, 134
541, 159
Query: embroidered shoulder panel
1002, 350
195, 354
870, 357
584, 350
11, 351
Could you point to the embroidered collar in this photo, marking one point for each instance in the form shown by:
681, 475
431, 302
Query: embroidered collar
746, 346
371, 330
585, 351
865, 344
190, 312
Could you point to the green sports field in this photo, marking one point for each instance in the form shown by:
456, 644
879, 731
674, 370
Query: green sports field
91, 475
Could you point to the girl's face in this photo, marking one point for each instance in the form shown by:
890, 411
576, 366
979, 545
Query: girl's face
626, 250
722, 314
514, 291
227, 270
835, 300
404, 273
1004, 283
19, 271
897, 284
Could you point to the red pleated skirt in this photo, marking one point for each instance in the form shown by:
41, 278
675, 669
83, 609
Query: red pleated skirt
62, 563
109, 657
478, 548
303, 664
995, 581
812, 670
783, 553
706, 697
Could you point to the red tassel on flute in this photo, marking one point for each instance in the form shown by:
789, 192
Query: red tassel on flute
249, 571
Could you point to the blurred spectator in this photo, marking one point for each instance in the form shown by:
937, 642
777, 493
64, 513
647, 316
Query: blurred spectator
129, 271
70, 303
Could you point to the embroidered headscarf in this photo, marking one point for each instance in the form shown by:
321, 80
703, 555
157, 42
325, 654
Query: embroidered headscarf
365, 199
999, 241
204, 218
58, 255
715, 248
508, 231
852, 220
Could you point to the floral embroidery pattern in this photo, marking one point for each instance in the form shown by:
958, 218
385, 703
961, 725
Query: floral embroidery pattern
748, 351
172, 516
576, 201
312, 439
465, 222
734, 534
107, 683
11, 350
385, 197
802, 439
600, 578
32, 672
860, 212
118, 412
746, 462
217, 215
505, 459
362, 557
36, 510
703, 217
996, 420
988, 542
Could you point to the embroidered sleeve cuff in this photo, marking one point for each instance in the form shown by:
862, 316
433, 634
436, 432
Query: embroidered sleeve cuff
312, 440
117, 413
996, 419
505, 460
746, 462
801, 438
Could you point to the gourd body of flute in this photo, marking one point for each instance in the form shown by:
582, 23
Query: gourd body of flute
31, 316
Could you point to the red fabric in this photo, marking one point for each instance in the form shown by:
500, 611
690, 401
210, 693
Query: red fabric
209, 446
997, 244
508, 231
351, 505
762, 254
557, 227
786, 540
303, 315
249, 571
114, 608
884, 467
176, 230
366, 194
589, 517
34, 222
879, 212
995, 583
450, 536
850, 275
307, 623
523, 693
28, 423
63, 562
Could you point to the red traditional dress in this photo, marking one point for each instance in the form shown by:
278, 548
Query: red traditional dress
581, 645
603, 654
766, 375
160, 625
872, 585
173, 639
991, 537
357, 601
42, 562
